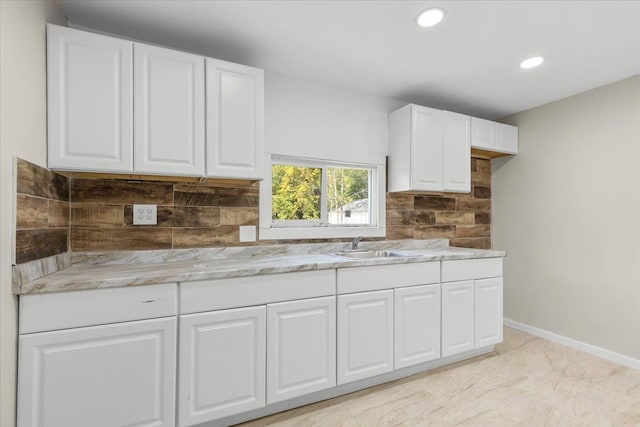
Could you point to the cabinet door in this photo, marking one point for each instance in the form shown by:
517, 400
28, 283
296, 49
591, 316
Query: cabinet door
426, 149
456, 152
301, 347
365, 335
90, 101
488, 311
417, 325
235, 120
483, 134
457, 317
111, 375
222, 363
169, 111
506, 138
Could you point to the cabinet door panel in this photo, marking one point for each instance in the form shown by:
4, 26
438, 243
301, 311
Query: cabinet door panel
111, 375
417, 325
90, 101
169, 111
456, 153
235, 120
483, 134
301, 347
426, 149
488, 312
506, 138
457, 317
222, 363
365, 335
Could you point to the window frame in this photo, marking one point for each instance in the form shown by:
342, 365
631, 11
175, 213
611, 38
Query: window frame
317, 229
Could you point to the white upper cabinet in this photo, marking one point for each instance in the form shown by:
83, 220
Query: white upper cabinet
456, 144
493, 136
169, 111
235, 120
90, 101
426, 151
506, 138
125, 107
429, 150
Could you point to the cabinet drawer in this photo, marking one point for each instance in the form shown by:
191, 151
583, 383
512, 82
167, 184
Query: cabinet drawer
362, 279
468, 269
207, 295
63, 310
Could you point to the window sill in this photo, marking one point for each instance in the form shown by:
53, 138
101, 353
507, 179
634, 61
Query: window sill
320, 232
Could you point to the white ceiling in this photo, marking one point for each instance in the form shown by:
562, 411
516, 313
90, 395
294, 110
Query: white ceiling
468, 63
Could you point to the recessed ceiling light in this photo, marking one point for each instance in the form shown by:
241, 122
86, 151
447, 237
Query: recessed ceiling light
532, 62
431, 17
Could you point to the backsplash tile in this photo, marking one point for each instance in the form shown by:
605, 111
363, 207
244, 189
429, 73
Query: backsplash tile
114, 192
198, 195
55, 214
33, 244
189, 215
34, 180
112, 238
464, 218
42, 212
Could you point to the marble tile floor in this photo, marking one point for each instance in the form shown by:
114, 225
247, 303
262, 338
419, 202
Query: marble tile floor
527, 381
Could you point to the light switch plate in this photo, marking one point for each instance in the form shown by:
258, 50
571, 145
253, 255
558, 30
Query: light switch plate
145, 214
247, 233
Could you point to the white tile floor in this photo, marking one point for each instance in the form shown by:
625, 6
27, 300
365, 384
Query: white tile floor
528, 381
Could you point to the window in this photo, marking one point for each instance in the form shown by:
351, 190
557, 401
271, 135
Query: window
305, 198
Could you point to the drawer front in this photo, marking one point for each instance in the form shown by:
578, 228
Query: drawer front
362, 279
207, 295
468, 269
63, 310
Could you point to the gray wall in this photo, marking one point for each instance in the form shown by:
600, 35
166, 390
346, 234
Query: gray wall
567, 210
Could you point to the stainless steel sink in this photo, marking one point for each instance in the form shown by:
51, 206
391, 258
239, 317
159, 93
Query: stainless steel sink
370, 254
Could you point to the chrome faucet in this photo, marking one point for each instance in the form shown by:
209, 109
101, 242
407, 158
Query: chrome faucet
355, 242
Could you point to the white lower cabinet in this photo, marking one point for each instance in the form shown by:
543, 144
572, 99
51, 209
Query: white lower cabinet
417, 325
120, 374
222, 363
457, 317
365, 335
245, 343
488, 312
301, 347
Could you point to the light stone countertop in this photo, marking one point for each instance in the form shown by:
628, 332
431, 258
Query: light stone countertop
133, 268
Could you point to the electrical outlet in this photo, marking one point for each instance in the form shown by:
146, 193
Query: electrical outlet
145, 214
248, 233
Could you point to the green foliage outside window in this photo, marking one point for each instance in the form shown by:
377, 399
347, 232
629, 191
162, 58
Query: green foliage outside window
295, 192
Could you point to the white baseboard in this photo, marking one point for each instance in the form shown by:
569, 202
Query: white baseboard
578, 345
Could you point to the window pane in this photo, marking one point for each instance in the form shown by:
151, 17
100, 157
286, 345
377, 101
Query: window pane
348, 196
295, 192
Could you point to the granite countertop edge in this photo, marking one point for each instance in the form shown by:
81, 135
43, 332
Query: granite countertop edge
85, 277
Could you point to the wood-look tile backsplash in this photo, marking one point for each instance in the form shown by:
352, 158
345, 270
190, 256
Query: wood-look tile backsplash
42, 212
463, 218
189, 215
55, 213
